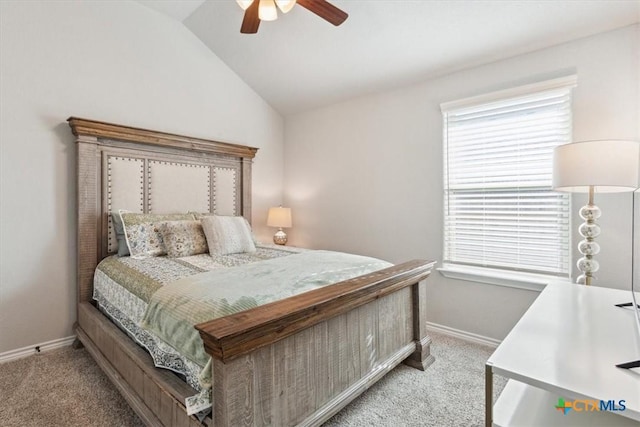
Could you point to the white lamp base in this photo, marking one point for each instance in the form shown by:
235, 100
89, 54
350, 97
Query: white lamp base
280, 238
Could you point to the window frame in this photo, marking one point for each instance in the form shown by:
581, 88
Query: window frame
503, 277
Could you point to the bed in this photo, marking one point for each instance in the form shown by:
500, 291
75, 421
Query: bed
293, 361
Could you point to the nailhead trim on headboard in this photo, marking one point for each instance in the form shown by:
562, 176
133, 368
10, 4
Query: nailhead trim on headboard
111, 243
200, 201
215, 186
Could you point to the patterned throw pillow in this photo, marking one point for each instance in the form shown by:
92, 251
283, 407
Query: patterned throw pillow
227, 235
143, 235
183, 238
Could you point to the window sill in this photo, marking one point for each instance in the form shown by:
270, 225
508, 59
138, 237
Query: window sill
526, 281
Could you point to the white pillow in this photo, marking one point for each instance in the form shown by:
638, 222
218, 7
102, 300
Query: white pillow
227, 234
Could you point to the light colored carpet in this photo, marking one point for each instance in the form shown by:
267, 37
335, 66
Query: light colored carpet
61, 387
66, 388
449, 393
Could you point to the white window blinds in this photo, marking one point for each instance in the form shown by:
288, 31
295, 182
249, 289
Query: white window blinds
500, 210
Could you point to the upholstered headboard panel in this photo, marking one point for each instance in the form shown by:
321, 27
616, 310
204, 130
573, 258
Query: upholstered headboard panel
146, 184
139, 170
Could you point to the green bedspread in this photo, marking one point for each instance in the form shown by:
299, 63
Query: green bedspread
175, 308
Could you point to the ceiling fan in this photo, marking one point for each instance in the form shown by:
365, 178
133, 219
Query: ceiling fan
265, 10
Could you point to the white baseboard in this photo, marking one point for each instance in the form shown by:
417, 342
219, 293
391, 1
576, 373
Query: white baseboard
63, 342
36, 348
464, 335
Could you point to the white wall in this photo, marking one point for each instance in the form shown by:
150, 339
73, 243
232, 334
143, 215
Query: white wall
113, 61
366, 175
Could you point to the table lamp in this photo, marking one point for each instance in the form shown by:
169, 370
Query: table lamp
598, 167
279, 217
605, 166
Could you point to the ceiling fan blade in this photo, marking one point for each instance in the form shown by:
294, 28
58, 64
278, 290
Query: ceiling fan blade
325, 10
251, 20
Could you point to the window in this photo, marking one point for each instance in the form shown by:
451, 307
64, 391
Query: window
500, 210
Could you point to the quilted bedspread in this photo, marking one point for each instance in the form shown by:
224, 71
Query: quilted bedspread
175, 308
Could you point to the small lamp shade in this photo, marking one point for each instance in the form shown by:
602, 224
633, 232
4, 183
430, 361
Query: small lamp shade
609, 166
279, 217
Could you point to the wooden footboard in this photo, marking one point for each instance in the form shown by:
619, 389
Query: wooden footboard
299, 361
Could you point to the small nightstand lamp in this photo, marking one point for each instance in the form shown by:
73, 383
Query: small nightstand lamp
279, 217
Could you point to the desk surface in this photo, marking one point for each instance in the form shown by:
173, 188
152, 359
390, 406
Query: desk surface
569, 342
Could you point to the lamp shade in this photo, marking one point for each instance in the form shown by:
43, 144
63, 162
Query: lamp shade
608, 166
279, 217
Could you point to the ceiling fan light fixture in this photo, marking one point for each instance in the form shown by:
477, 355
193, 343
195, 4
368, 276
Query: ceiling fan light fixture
244, 4
285, 5
267, 10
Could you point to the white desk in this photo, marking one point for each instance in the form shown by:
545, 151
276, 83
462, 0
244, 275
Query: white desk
567, 345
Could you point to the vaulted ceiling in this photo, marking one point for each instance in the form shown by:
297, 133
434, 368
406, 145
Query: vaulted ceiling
300, 61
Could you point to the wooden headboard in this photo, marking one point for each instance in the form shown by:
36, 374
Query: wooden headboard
140, 170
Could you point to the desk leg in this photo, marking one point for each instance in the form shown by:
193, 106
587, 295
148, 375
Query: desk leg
488, 396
